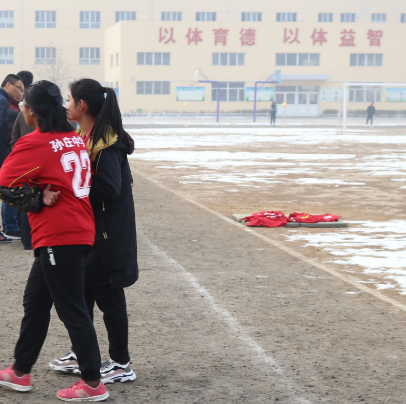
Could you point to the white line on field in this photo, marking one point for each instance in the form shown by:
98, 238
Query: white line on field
232, 322
345, 278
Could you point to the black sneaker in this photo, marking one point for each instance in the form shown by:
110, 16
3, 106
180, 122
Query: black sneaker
14, 235
4, 239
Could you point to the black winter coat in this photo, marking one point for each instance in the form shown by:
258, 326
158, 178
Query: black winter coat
113, 258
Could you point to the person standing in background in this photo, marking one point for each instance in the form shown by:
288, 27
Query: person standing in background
370, 113
273, 112
20, 129
12, 87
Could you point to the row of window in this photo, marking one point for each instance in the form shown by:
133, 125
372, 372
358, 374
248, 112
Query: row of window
313, 59
164, 59
234, 92
47, 19
91, 19
47, 56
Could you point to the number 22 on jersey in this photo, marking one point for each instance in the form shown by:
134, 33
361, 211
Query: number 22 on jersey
80, 189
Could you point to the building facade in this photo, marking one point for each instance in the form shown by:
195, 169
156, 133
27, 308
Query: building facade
149, 50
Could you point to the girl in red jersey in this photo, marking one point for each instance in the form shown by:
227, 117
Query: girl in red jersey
61, 236
111, 264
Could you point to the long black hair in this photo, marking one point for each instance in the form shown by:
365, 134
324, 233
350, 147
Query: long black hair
104, 109
45, 100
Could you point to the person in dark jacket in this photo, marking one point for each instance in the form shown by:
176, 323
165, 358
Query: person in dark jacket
370, 113
111, 264
273, 112
20, 129
12, 87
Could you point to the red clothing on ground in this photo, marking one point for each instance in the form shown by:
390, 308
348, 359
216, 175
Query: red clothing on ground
267, 219
59, 159
306, 218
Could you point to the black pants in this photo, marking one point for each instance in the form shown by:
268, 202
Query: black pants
62, 284
112, 304
369, 117
273, 116
25, 230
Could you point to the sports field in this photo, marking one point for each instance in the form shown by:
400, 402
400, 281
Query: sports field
228, 314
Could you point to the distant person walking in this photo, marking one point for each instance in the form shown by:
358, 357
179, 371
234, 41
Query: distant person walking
273, 112
370, 113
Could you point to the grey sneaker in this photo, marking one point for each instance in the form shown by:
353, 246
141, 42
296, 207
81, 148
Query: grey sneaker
66, 364
112, 372
14, 235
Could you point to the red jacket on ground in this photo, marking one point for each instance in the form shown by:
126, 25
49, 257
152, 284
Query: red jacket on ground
306, 218
267, 219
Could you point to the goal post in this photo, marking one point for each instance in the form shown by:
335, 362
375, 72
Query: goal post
346, 94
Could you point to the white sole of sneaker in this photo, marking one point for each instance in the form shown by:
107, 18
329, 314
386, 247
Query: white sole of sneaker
16, 386
123, 378
13, 237
64, 369
97, 398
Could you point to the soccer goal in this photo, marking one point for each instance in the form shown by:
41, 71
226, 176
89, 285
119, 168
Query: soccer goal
393, 92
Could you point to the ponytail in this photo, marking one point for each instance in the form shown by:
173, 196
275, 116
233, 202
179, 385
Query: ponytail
104, 108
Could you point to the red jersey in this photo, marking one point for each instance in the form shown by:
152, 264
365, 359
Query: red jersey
59, 159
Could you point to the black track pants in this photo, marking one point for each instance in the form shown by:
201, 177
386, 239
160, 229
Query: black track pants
58, 278
112, 304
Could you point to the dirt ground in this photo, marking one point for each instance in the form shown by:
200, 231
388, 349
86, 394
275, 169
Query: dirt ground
220, 316
363, 184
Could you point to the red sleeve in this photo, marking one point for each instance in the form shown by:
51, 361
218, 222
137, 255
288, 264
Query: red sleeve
22, 165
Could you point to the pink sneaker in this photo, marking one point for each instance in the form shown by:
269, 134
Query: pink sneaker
80, 391
9, 379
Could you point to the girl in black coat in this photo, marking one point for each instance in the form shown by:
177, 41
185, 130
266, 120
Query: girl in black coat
111, 264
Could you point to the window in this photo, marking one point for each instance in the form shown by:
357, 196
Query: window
365, 94
112, 61
45, 56
89, 56
117, 59
125, 16
171, 16
380, 17
206, 17
228, 59
6, 56
153, 87
325, 17
366, 59
286, 17
347, 17
402, 18
90, 19
45, 19
6, 19
297, 59
251, 16
150, 58
229, 91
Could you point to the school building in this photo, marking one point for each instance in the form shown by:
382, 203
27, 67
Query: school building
148, 50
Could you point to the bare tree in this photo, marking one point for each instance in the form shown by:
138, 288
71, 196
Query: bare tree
56, 68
